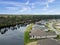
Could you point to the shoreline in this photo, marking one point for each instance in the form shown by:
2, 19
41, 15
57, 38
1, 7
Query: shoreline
26, 34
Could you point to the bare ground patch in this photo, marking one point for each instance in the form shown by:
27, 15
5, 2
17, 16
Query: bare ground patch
32, 43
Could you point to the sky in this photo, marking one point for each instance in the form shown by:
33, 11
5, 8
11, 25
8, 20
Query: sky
29, 6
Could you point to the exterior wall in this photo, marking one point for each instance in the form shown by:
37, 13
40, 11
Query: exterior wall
41, 26
31, 37
35, 37
52, 36
38, 37
43, 36
46, 30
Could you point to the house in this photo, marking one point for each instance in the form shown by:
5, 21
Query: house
35, 27
38, 34
47, 42
39, 27
57, 25
44, 29
41, 22
57, 20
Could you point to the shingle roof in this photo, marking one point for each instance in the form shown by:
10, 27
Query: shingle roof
38, 33
51, 33
47, 42
41, 33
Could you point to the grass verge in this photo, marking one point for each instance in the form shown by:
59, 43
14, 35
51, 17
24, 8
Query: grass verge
26, 34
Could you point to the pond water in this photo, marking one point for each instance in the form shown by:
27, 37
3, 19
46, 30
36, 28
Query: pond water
12, 35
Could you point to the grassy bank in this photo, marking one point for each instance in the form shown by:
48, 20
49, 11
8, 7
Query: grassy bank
26, 34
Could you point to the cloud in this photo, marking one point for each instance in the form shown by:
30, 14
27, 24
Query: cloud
16, 6
51, 1
19, 10
16, 3
27, 2
24, 9
20, 7
12, 8
11, 3
47, 4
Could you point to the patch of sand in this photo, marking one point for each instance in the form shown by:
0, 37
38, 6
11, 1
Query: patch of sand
32, 43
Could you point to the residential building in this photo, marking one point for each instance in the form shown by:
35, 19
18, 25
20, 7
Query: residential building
47, 42
38, 34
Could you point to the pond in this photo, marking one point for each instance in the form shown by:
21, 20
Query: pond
12, 36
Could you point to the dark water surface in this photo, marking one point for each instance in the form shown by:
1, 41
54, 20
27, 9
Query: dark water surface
12, 36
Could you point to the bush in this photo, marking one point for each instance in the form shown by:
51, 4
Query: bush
58, 36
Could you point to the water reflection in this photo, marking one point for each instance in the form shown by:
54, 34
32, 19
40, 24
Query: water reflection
13, 35
4, 30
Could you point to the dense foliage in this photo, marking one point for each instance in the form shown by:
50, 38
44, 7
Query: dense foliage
6, 20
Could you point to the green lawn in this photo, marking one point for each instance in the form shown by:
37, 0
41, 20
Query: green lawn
26, 34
